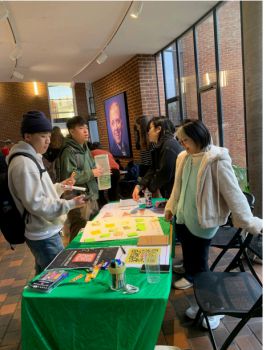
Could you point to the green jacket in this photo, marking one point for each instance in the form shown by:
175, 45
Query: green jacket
75, 157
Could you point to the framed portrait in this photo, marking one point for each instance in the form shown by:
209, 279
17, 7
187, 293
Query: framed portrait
116, 115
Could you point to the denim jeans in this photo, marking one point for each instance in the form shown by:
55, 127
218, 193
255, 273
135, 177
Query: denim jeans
45, 250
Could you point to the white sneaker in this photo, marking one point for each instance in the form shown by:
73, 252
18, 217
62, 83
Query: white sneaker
192, 311
214, 321
183, 283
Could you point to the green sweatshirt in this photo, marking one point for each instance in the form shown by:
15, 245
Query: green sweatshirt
75, 157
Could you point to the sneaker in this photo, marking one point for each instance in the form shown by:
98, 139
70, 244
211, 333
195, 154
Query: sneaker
183, 283
214, 321
192, 311
178, 269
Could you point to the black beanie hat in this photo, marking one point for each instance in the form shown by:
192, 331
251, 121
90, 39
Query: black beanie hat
35, 121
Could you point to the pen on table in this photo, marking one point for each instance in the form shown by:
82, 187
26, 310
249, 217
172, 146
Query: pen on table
123, 250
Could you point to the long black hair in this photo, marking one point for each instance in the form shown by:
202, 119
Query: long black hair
167, 127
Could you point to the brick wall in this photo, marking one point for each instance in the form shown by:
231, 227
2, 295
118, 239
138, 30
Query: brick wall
81, 100
15, 100
138, 79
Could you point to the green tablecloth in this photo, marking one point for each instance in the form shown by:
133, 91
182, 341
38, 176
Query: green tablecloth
90, 316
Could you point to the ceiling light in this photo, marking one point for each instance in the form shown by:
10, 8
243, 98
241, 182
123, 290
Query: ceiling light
3, 12
18, 75
35, 87
101, 58
136, 9
16, 53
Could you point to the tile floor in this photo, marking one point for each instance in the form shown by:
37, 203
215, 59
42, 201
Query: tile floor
17, 268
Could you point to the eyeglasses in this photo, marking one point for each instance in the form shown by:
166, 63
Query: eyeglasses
184, 141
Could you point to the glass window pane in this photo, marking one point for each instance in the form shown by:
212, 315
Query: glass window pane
209, 114
206, 52
170, 71
188, 76
160, 81
61, 100
174, 112
60, 90
231, 80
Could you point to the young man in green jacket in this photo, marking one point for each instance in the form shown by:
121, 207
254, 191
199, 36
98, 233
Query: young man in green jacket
76, 159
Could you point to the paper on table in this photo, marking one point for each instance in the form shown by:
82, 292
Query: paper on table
111, 228
134, 256
104, 181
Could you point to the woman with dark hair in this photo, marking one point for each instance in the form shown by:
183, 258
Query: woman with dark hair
205, 192
160, 175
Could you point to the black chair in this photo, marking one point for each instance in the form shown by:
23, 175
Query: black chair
229, 237
237, 294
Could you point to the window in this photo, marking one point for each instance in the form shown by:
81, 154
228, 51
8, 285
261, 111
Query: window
170, 72
174, 112
188, 76
159, 71
209, 114
90, 99
208, 51
171, 84
61, 102
231, 80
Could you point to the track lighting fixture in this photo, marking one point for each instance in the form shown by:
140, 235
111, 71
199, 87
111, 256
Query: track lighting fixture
16, 53
136, 9
3, 12
17, 75
102, 57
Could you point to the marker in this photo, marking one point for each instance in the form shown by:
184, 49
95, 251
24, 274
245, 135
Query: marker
105, 265
88, 277
69, 187
77, 278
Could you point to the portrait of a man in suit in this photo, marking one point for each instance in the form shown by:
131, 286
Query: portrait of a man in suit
117, 127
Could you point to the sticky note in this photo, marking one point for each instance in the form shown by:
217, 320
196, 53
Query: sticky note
95, 232
132, 234
105, 235
109, 225
89, 240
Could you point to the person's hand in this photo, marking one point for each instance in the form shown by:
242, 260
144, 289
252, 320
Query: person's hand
97, 171
168, 215
80, 201
135, 194
70, 181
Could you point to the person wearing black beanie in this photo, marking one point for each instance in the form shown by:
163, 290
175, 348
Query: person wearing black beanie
33, 190
35, 121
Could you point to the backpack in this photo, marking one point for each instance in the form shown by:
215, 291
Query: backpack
12, 224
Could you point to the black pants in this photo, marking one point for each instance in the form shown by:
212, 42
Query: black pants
195, 252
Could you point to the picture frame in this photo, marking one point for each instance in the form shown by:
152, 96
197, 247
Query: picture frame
117, 121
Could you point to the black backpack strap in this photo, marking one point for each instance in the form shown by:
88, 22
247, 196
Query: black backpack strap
25, 215
28, 156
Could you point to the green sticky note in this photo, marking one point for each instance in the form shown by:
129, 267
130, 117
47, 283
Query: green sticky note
89, 240
105, 235
132, 234
140, 227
